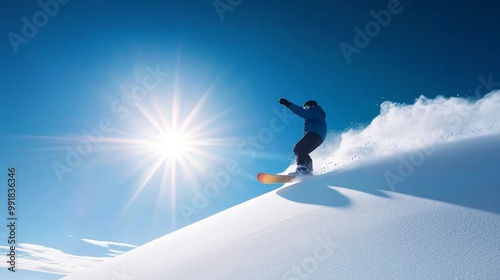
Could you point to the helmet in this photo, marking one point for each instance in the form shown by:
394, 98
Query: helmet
310, 103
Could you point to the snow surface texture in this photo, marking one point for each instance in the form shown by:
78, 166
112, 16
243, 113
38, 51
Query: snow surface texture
418, 209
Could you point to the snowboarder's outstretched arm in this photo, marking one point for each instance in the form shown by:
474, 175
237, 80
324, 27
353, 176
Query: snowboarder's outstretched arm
300, 111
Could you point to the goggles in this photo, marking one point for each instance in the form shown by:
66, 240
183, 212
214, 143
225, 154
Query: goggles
306, 107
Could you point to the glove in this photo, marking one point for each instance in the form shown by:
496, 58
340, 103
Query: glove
284, 102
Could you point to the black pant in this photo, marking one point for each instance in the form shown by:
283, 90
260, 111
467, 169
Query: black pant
309, 142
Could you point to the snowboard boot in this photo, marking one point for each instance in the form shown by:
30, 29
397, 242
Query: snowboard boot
301, 170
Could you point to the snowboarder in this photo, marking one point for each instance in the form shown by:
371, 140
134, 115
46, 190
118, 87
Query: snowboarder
314, 133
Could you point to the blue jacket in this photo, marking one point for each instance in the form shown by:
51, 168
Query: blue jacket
314, 119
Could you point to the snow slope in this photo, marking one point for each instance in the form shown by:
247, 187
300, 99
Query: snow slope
441, 222
414, 195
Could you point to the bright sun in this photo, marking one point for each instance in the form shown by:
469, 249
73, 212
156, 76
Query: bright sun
173, 144
163, 143
169, 141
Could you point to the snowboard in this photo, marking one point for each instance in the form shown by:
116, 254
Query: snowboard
266, 178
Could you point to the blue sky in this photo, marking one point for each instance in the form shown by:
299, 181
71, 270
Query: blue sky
217, 72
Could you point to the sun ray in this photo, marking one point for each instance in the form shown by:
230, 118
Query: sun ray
171, 144
164, 140
145, 181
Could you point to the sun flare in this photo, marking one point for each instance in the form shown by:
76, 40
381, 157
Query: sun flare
173, 145
169, 141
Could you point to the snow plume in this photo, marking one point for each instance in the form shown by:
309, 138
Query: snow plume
403, 127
